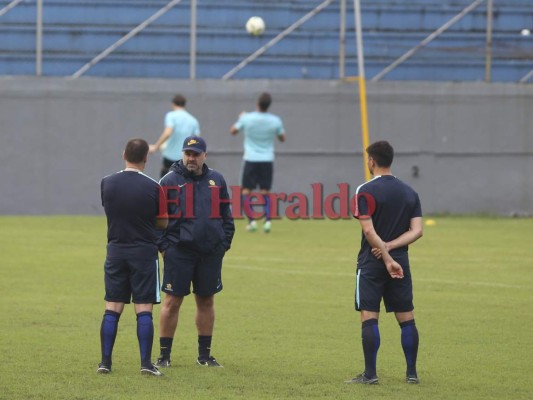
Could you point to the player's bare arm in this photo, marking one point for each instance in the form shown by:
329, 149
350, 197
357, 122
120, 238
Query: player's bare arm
234, 130
414, 233
395, 270
162, 139
282, 137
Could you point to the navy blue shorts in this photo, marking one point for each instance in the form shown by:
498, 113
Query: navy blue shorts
257, 174
132, 279
374, 283
184, 266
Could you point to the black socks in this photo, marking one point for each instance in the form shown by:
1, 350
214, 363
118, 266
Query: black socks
108, 334
410, 345
145, 336
371, 342
204, 347
165, 344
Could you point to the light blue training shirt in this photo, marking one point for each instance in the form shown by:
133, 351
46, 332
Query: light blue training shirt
260, 130
183, 124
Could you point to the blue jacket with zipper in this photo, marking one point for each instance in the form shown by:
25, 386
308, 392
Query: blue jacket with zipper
199, 211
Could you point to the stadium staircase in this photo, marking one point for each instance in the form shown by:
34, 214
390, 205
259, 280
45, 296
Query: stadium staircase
75, 31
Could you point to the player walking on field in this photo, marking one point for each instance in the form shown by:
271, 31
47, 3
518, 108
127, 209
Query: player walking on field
199, 234
179, 124
390, 215
131, 269
260, 129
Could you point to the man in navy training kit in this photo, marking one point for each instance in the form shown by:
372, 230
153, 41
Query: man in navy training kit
260, 129
131, 270
390, 215
179, 124
199, 233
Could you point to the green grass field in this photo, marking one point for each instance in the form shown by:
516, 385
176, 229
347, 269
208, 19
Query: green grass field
286, 327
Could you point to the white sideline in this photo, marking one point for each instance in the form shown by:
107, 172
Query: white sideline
232, 265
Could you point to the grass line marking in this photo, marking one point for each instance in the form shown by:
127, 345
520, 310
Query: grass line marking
352, 275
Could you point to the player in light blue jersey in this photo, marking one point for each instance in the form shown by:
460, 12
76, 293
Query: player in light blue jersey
260, 129
179, 124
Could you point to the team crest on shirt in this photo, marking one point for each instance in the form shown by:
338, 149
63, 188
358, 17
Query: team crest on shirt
211, 182
192, 141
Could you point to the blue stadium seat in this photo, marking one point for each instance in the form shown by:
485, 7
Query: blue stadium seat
77, 30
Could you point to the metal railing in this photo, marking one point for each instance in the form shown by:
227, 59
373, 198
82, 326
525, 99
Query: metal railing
124, 39
276, 39
10, 6
38, 31
272, 42
427, 40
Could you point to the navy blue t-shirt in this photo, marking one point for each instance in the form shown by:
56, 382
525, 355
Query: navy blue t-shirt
131, 203
391, 204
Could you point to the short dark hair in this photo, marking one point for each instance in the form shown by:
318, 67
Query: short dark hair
264, 101
382, 152
179, 100
136, 151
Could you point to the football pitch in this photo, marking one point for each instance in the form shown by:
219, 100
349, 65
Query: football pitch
285, 326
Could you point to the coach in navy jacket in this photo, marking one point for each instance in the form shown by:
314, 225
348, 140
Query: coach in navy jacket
192, 221
198, 235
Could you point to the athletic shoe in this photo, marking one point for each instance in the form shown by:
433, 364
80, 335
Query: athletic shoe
210, 362
162, 362
103, 369
412, 378
151, 370
267, 227
364, 380
252, 226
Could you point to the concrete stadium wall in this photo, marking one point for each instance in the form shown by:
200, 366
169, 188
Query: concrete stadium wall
471, 143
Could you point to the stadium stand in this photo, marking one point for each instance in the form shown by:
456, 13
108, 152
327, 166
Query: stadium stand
75, 31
